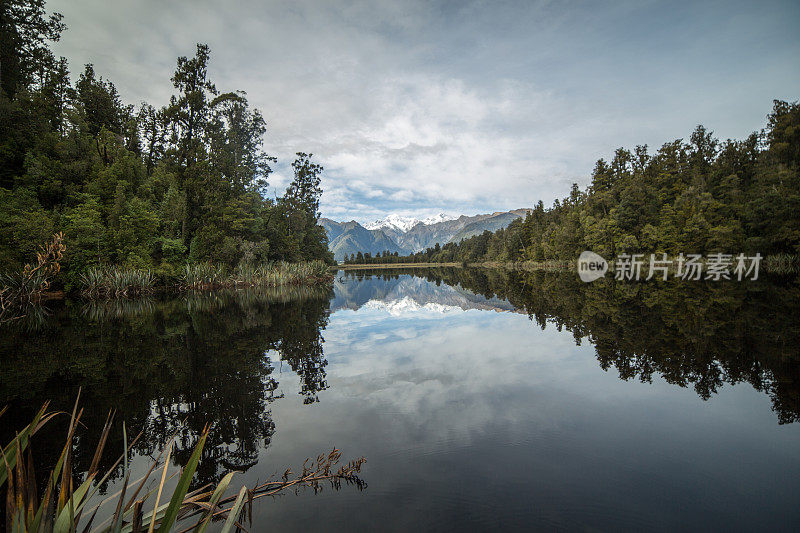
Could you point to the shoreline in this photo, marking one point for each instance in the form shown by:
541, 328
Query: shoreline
383, 266
560, 265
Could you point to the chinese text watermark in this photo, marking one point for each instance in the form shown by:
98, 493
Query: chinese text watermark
713, 267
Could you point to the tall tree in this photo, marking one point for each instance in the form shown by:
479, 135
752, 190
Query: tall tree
305, 189
25, 29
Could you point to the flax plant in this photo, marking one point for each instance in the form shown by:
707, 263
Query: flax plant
64, 506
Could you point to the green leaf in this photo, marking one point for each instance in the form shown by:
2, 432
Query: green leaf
234, 512
73, 506
10, 451
215, 498
183, 486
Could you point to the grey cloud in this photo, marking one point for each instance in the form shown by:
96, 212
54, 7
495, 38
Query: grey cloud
463, 106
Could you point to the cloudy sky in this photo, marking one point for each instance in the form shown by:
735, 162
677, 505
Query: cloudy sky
419, 107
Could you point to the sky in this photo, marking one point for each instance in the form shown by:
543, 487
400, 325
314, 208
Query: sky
423, 107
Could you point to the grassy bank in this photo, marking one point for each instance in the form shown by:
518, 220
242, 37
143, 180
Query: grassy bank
115, 282
20, 290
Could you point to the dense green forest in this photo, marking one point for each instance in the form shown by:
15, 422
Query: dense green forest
699, 196
142, 187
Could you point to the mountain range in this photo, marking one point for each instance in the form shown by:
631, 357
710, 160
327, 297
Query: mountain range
406, 294
409, 235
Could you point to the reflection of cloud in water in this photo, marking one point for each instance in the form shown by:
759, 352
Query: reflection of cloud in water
473, 420
444, 368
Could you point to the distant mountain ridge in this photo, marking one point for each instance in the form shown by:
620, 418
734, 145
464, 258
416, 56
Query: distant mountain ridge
403, 224
410, 294
406, 235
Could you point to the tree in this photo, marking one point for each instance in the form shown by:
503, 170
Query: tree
149, 188
101, 103
25, 29
189, 111
699, 196
305, 190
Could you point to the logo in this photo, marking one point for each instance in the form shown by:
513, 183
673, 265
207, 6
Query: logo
591, 266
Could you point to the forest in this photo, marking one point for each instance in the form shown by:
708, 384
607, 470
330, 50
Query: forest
700, 196
138, 186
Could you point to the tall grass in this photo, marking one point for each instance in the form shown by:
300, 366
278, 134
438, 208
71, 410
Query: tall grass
203, 276
65, 506
116, 281
283, 273
274, 274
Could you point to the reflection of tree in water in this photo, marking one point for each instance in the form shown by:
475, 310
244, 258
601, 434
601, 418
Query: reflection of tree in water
302, 349
694, 334
168, 366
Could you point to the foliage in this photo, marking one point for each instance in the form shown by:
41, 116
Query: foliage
207, 275
116, 281
203, 275
17, 289
144, 188
65, 505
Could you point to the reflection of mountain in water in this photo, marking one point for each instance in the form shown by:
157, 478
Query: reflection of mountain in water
405, 293
702, 335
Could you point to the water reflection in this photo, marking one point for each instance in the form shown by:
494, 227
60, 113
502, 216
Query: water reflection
702, 335
482, 399
170, 365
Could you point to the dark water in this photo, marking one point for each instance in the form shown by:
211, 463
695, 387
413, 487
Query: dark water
483, 400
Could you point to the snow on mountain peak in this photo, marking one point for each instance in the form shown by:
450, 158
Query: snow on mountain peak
435, 219
403, 224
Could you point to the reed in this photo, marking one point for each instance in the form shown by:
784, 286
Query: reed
65, 506
284, 273
203, 276
116, 281
273, 274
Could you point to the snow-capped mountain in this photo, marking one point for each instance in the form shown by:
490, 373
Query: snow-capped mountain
407, 305
406, 235
403, 224
435, 219
407, 295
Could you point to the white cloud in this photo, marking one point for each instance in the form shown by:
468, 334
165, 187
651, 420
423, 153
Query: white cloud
416, 107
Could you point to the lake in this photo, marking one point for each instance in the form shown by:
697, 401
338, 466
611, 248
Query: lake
482, 399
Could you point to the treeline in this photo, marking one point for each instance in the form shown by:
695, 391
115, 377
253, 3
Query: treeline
142, 187
384, 257
698, 197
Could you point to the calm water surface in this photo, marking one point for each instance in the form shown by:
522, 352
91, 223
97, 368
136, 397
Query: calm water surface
482, 400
